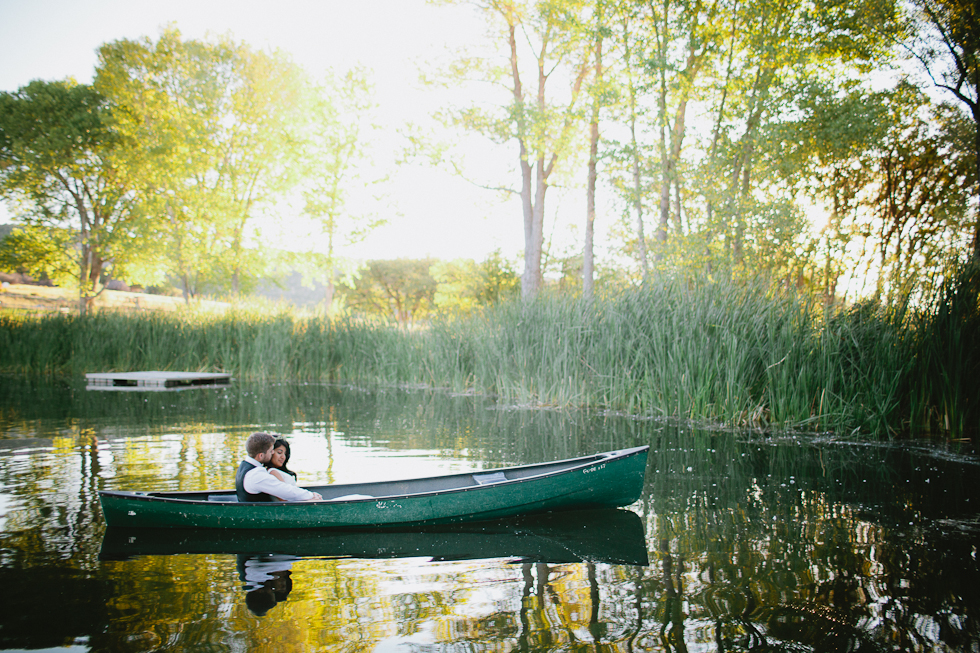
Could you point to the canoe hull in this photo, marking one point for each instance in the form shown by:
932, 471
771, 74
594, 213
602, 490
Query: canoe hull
607, 480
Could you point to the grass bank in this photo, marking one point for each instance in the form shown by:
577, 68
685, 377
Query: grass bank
738, 354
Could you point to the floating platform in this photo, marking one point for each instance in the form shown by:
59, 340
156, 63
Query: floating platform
156, 381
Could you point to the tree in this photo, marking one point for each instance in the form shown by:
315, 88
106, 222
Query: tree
895, 170
401, 289
628, 15
459, 285
464, 285
688, 32
220, 123
542, 128
824, 155
501, 283
597, 96
169, 101
763, 55
945, 40
63, 160
921, 178
41, 252
334, 155
260, 146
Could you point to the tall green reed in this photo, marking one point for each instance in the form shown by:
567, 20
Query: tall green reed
741, 354
943, 348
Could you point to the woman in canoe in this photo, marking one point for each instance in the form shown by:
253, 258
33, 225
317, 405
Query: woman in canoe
253, 482
277, 464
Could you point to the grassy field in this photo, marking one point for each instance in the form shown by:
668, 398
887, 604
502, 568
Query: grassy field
733, 354
20, 297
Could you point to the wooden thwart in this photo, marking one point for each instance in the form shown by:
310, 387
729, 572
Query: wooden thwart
155, 381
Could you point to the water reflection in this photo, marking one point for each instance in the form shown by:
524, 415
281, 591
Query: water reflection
265, 561
267, 580
611, 536
792, 543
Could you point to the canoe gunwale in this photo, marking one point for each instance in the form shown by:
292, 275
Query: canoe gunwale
580, 463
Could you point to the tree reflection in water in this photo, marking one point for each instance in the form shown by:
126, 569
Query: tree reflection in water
755, 543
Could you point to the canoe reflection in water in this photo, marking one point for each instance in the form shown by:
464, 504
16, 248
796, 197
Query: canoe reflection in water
267, 579
265, 558
608, 535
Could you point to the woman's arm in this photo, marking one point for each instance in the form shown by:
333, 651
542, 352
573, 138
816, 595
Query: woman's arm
278, 475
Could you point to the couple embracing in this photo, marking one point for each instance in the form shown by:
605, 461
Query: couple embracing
263, 476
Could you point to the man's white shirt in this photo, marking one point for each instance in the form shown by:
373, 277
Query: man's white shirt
258, 480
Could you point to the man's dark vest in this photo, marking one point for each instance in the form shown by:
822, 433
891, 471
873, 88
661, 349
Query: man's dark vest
243, 469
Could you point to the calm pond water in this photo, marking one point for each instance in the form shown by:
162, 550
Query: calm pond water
740, 541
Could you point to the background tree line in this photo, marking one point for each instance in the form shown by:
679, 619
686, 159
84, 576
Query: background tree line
159, 168
724, 129
732, 136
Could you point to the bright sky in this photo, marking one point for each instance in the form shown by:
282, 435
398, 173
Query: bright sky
432, 212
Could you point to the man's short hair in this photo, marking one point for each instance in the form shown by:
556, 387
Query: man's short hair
259, 442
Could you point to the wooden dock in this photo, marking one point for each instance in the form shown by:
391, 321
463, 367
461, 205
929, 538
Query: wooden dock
155, 381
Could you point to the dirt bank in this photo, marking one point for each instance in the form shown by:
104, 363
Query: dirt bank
43, 298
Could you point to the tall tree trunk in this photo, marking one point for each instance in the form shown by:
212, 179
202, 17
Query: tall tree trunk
331, 271
660, 32
664, 164
635, 153
670, 148
741, 168
976, 224
588, 273
716, 132
537, 227
85, 256
638, 199
742, 196
535, 180
672, 177
529, 280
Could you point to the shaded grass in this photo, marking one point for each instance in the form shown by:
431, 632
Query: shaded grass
740, 354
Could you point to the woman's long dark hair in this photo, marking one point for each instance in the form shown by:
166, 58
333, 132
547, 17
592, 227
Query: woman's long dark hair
284, 443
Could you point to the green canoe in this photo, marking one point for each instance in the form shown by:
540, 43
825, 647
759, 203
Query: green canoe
605, 480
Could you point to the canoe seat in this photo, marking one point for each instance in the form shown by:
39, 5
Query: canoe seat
491, 477
351, 497
223, 498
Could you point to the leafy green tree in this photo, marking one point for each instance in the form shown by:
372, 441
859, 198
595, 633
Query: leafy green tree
400, 289
922, 179
260, 147
895, 171
778, 48
598, 95
682, 38
463, 285
41, 252
628, 168
945, 39
169, 101
822, 158
543, 41
334, 156
220, 124
501, 283
459, 284
65, 164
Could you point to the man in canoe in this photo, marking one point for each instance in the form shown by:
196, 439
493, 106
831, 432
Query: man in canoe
253, 482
